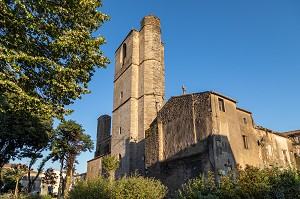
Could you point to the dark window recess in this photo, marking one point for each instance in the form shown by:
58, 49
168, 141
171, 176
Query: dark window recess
245, 120
120, 160
245, 139
221, 105
120, 130
124, 49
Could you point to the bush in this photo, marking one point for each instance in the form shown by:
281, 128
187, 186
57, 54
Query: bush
202, 188
139, 187
92, 189
248, 183
36, 196
132, 187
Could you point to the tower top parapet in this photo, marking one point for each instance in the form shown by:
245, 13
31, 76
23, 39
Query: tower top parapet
150, 20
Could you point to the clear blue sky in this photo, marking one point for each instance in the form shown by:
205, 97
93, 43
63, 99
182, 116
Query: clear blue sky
247, 50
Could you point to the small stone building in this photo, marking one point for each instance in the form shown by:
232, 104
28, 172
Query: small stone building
187, 135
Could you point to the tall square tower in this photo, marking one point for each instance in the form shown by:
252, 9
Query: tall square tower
139, 92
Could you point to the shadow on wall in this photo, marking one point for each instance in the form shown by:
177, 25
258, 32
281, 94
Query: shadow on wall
211, 154
134, 159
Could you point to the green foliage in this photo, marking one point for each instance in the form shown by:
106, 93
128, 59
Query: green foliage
110, 163
38, 197
132, 187
247, 183
50, 177
253, 182
48, 55
202, 187
91, 189
23, 135
139, 187
69, 142
16, 172
9, 186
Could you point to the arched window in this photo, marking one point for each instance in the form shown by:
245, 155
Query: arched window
124, 51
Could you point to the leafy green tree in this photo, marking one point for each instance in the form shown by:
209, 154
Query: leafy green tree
48, 55
40, 168
110, 164
22, 135
69, 143
16, 172
49, 178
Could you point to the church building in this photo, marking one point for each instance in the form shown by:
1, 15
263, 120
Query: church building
187, 135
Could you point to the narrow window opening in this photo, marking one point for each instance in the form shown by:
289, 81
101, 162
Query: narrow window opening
120, 130
124, 49
245, 120
120, 160
121, 95
245, 140
221, 105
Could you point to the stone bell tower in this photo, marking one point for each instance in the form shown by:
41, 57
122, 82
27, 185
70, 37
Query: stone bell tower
139, 92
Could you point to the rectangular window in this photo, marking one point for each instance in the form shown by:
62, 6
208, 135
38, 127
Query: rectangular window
120, 130
120, 160
285, 156
245, 140
221, 105
121, 95
245, 120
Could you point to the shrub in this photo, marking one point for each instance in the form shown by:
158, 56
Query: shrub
36, 196
126, 187
91, 189
139, 187
202, 188
250, 182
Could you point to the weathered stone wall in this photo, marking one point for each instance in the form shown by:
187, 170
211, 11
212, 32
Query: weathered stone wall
177, 143
103, 135
138, 93
94, 168
186, 121
248, 143
275, 150
151, 146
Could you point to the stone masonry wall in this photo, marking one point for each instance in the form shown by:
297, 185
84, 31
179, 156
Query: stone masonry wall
94, 168
103, 135
182, 134
186, 122
138, 92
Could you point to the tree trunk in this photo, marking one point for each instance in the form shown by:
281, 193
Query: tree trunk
29, 186
17, 188
69, 176
59, 196
111, 177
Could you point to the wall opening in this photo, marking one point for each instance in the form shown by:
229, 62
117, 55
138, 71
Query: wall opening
120, 160
124, 53
245, 140
221, 105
